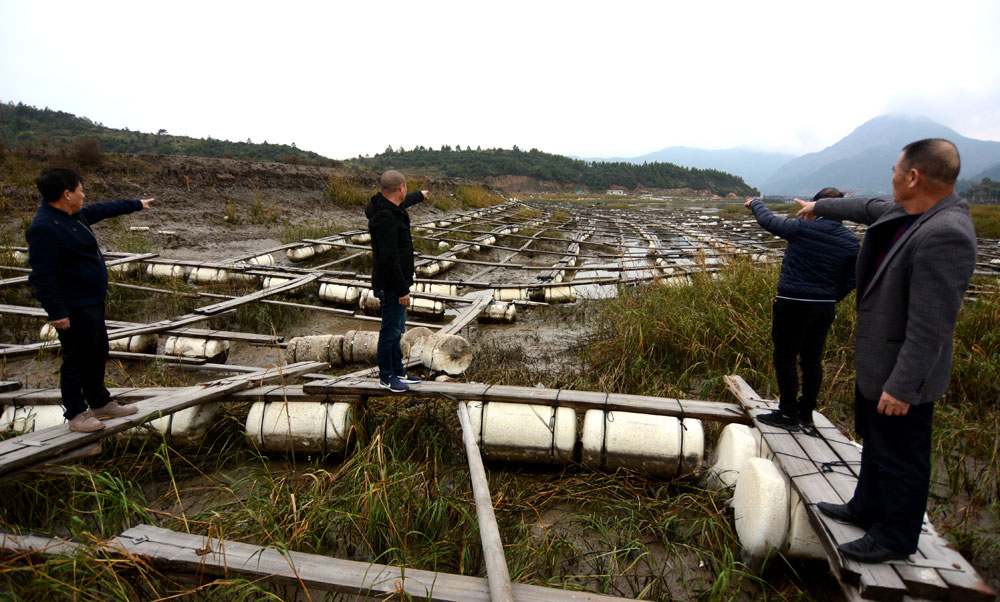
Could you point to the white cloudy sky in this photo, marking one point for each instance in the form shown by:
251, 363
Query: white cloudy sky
611, 78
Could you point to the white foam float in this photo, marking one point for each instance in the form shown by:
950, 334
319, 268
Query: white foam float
265, 259
510, 294
140, 343
369, 303
499, 312
129, 267
766, 508
272, 281
186, 428
661, 446
300, 253
48, 332
524, 433
426, 307
318, 348
214, 350
21, 257
559, 294
360, 346
429, 269
28, 419
300, 426
362, 238
167, 270
445, 352
341, 294
736, 445
205, 275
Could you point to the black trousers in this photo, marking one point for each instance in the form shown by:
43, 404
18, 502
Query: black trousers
895, 472
798, 330
84, 352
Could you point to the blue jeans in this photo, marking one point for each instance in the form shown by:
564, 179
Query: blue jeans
388, 354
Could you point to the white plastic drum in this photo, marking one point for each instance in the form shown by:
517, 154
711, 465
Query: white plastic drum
28, 419
205, 275
524, 433
445, 352
318, 348
661, 446
340, 294
186, 428
166, 270
498, 312
140, 343
300, 253
300, 426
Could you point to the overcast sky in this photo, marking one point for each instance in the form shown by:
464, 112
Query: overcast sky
591, 79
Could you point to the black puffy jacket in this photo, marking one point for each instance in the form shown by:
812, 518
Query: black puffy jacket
819, 259
392, 245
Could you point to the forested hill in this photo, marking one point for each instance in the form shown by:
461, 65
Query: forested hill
563, 171
25, 126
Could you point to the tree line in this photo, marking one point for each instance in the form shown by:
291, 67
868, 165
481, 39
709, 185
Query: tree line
479, 164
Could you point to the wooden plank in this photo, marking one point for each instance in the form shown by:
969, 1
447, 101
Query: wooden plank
187, 553
15, 544
58, 440
875, 581
489, 534
257, 295
583, 400
25, 397
9, 385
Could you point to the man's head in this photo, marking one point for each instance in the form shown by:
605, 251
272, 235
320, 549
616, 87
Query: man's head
924, 173
62, 188
828, 193
393, 186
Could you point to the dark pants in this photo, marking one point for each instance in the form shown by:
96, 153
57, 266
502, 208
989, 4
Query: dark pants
84, 352
388, 354
895, 472
799, 331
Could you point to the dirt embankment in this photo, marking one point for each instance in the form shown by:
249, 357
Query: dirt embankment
225, 206
529, 184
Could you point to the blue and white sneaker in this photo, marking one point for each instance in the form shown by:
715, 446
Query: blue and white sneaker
405, 377
393, 384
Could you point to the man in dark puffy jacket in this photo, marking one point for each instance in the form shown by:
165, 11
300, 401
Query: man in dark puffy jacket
392, 273
816, 272
71, 283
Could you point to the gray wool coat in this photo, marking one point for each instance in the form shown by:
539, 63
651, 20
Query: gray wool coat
907, 311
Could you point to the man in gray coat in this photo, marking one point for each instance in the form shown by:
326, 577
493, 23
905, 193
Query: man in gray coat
915, 264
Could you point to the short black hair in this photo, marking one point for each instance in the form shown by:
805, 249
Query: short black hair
935, 158
54, 180
828, 193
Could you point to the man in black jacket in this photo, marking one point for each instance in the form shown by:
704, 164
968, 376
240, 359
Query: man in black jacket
816, 272
71, 283
392, 273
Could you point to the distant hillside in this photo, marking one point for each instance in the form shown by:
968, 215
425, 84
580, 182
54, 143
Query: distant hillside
25, 126
755, 167
563, 172
992, 172
862, 160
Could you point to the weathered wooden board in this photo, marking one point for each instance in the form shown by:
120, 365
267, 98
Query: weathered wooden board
25, 397
182, 552
583, 400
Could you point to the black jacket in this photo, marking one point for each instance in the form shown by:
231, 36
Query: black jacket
819, 259
392, 245
67, 268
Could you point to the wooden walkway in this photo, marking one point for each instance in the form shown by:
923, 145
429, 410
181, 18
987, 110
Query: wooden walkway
47, 445
209, 558
824, 469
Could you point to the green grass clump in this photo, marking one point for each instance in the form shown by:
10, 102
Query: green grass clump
345, 193
986, 219
476, 197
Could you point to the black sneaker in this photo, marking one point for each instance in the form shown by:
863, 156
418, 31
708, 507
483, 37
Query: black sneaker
407, 378
807, 426
779, 419
393, 384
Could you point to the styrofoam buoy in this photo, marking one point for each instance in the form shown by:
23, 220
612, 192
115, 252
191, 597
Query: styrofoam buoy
341, 294
369, 303
214, 350
445, 352
444, 245
524, 433
186, 428
429, 269
559, 294
498, 312
510, 294
736, 445
48, 332
661, 446
21, 257
360, 346
140, 343
300, 426
763, 504
166, 270
318, 348
266, 260
28, 419
128, 267
272, 281
426, 307
360, 239
300, 253
762, 449
204, 275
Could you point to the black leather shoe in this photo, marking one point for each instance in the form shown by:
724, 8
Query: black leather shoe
843, 513
868, 550
779, 419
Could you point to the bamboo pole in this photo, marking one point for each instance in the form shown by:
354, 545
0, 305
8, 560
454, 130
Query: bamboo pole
497, 574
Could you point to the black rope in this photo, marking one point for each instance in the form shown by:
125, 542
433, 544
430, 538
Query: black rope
552, 429
680, 453
605, 418
482, 417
